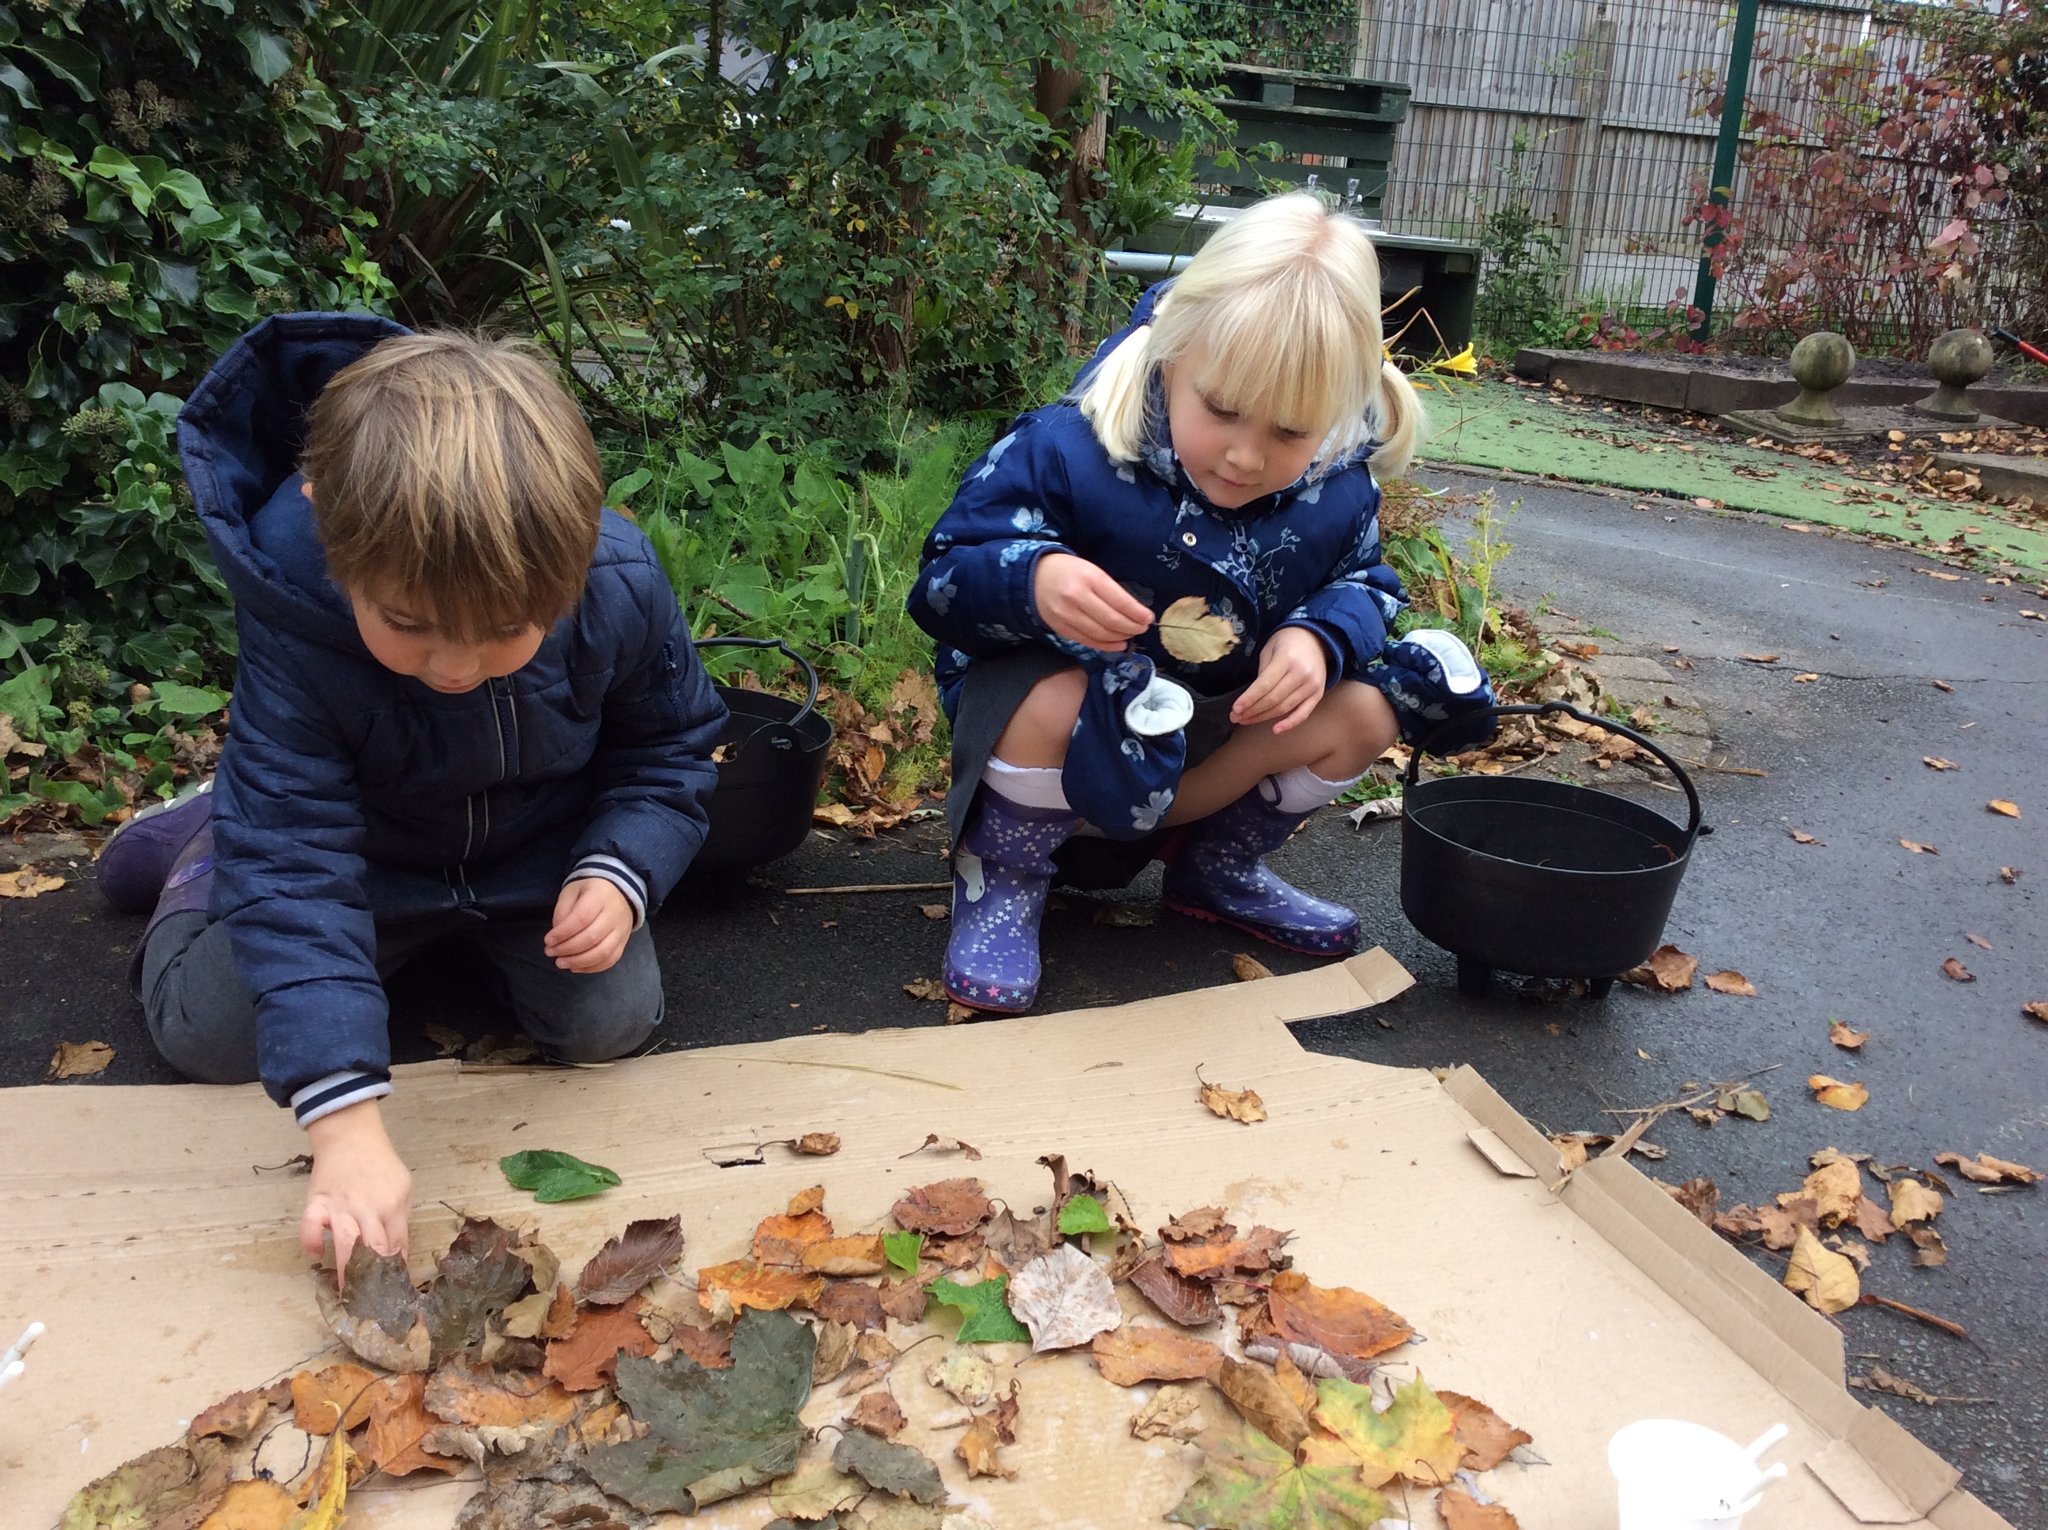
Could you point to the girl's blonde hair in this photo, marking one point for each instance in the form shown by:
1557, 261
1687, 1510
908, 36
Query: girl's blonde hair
1284, 304
455, 471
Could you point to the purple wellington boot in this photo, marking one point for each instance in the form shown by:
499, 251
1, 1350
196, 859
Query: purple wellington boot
1002, 868
187, 889
1217, 873
136, 859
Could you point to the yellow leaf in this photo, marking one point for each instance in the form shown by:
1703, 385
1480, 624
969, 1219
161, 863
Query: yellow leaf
1835, 1094
1731, 981
257, 1504
1825, 1278
1913, 1202
1234, 1104
326, 1513
1194, 634
1844, 1036
28, 883
1416, 1437
2001, 806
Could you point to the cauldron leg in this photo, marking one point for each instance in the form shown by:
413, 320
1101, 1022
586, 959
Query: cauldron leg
1597, 988
1474, 977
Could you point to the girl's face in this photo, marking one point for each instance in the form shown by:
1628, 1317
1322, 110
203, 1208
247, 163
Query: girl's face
1234, 452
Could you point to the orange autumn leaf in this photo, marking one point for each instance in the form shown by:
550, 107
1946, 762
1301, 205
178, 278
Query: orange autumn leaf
805, 1201
474, 1395
748, 1284
589, 1357
1461, 1511
1843, 1035
254, 1504
398, 1421
334, 1396
1837, 1095
782, 1240
1147, 1352
859, 1255
1336, 1318
1731, 981
2003, 808
1486, 1436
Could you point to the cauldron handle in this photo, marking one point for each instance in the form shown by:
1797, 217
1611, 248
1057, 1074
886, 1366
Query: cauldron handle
1545, 708
810, 674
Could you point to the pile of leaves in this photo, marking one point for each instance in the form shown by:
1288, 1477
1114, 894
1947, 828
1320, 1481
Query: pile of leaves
625, 1393
881, 768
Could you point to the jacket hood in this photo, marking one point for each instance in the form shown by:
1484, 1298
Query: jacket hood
241, 435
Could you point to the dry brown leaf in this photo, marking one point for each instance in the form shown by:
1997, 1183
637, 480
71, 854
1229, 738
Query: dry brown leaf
399, 1424
1731, 981
1955, 970
1837, 1095
1065, 1298
1912, 1202
1982, 1169
1255, 1393
949, 1207
1806, 679
904, 1300
589, 1357
1782, 1225
1669, 970
254, 1504
925, 988
2003, 808
980, 1446
940, 1144
817, 1144
1174, 1412
630, 1261
1194, 634
1936, 762
1941, 685
1227, 1254
1800, 836
879, 1414
1978, 941
1336, 1318
241, 1414
2008, 875
1881, 1380
1929, 1252
1182, 1299
850, 1301
781, 1240
1461, 1511
1825, 1278
1917, 848
1292, 1379
1232, 1104
79, 1059
935, 911
1486, 1436
478, 1397
744, 1283
2035, 1009
27, 882
1843, 1035
335, 1396
1759, 658
1248, 967
1873, 1221
1836, 1189
858, 1255
802, 1204
1145, 1352
1701, 1197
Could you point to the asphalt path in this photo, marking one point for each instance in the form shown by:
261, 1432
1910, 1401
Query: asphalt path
1855, 927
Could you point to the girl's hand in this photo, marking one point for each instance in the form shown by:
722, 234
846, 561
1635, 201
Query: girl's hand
361, 1190
1081, 603
592, 921
1293, 670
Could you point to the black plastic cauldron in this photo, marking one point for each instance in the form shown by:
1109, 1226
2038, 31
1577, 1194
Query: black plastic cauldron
1540, 877
770, 772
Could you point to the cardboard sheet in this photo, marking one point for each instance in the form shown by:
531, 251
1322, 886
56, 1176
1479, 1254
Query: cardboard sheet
135, 1223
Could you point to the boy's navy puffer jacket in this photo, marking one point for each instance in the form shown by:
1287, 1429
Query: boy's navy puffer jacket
349, 795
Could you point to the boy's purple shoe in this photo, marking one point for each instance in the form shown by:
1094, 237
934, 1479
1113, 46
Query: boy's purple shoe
187, 889
136, 860
1217, 872
1002, 868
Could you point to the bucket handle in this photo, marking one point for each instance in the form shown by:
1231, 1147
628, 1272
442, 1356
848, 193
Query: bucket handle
810, 673
1545, 708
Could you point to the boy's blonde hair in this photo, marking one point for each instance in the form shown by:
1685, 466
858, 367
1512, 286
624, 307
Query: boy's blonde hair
1284, 303
455, 471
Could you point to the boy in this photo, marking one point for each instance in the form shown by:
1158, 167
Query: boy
466, 704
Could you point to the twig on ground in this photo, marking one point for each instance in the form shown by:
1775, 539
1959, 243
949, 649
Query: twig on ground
868, 887
1724, 770
1698, 1096
1946, 1325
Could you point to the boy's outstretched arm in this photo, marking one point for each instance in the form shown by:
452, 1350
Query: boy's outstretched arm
361, 1189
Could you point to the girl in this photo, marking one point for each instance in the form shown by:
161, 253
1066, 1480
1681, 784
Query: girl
1199, 505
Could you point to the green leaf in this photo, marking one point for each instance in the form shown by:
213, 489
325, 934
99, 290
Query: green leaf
269, 55
72, 62
184, 700
903, 1250
988, 1316
712, 1434
1412, 1438
628, 486
1083, 1214
555, 1176
1250, 1483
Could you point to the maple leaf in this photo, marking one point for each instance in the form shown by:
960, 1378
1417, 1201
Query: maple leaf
479, 1276
711, 1434
1487, 1437
1194, 634
879, 1414
890, 1468
589, 1355
629, 1261
1731, 981
1335, 1318
1145, 1352
377, 1313
1669, 970
79, 1059
1415, 1438
528, 1504
1844, 1036
174, 1484
1982, 1169
1250, 1483
1232, 1104
988, 1317
1825, 1278
1461, 1511
949, 1207
1836, 1095
1180, 1298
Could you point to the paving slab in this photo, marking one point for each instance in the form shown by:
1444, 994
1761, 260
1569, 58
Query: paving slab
2006, 476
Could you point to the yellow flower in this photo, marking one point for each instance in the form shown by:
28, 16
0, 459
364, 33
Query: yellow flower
1462, 364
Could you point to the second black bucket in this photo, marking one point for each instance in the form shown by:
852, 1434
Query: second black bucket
773, 762
1541, 877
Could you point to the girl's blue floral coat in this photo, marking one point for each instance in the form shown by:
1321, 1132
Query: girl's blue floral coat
1308, 556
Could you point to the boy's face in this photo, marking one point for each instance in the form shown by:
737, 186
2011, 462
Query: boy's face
402, 637
1233, 452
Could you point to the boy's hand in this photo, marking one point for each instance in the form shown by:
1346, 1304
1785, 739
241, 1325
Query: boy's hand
361, 1190
1293, 670
592, 921
1081, 603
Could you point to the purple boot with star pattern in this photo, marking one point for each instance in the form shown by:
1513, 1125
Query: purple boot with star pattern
1002, 869
1218, 872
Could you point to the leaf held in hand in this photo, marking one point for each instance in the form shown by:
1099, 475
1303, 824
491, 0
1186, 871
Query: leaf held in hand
629, 1261
1194, 634
988, 1317
1837, 1095
556, 1176
378, 1314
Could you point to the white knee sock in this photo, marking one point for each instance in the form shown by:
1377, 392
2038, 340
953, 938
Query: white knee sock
1036, 786
1301, 790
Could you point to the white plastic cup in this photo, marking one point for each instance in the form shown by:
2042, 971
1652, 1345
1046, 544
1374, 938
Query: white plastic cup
1673, 1475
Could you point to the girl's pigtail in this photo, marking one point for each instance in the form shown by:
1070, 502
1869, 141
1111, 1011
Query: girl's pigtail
1113, 402
1401, 421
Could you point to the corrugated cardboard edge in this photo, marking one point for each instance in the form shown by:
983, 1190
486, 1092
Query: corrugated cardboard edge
1875, 1467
